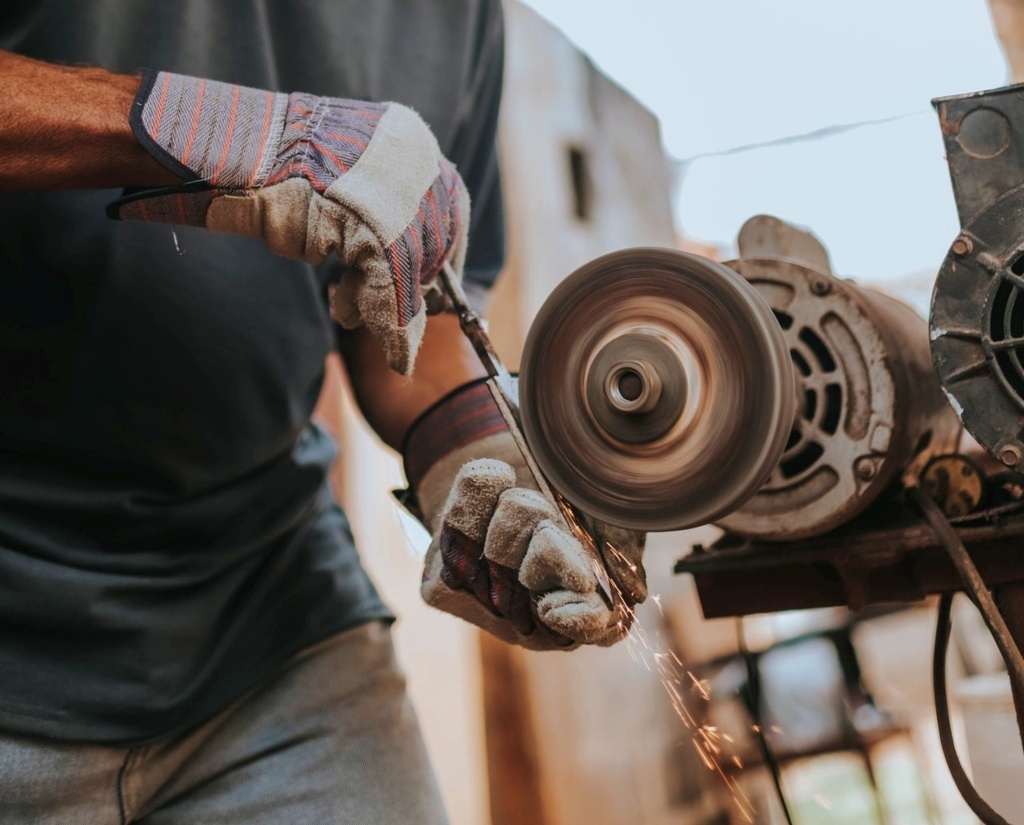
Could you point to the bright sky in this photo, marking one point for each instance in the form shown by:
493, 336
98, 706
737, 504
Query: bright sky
726, 73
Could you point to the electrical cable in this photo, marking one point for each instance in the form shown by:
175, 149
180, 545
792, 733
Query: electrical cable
975, 588
974, 585
981, 808
803, 137
754, 687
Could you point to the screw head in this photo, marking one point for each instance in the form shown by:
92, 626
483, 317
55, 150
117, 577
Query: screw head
962, 246
821, 286
1010, 455
865, 469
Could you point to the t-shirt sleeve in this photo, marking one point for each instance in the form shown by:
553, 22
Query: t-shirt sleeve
474, 149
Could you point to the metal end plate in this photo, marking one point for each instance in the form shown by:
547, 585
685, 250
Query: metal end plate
656, 390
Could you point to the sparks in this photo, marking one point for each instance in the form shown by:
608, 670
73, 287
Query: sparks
706, 739
657, 601
700, 686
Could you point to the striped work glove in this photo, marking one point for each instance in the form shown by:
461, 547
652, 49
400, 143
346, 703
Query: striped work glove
312, 175
500, 556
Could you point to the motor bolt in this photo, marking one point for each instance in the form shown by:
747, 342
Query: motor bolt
820, 286
1010, 455
865, 469
962, 246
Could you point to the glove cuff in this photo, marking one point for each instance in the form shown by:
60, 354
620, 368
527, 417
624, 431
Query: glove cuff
223, 134
466, 414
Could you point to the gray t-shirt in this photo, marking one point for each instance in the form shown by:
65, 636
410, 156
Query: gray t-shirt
166, 533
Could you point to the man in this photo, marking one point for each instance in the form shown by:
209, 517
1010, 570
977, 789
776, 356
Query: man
186, 634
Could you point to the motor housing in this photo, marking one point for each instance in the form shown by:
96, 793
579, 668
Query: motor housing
868, 401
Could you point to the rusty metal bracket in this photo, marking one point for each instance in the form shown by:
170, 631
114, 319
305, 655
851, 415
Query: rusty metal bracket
887, 554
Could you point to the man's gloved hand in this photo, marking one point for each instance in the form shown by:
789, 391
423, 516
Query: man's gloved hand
500, 556
311, 175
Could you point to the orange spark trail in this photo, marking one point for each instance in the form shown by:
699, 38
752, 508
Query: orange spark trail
705, 738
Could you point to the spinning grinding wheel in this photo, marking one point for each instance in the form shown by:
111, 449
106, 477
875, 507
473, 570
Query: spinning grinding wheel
656, 390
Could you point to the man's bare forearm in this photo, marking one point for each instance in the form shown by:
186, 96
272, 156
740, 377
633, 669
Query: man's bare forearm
392, 402
63, 127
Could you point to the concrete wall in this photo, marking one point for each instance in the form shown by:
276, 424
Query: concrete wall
1008, 17
560, 112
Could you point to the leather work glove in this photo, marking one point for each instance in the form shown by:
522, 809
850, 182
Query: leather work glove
312, 175
501, 557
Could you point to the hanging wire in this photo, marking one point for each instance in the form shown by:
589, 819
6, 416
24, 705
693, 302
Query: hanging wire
974, 800
974, 585
803, 137
680, 166
975, 588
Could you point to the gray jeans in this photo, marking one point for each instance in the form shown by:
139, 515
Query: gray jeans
331, 739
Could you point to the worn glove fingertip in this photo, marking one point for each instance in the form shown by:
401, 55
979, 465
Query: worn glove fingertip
631, 581
474, 496
582, 617
516, 517
377, 304
557, 561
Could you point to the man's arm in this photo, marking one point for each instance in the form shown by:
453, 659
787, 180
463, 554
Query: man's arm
392, 402
67, 128
499, 557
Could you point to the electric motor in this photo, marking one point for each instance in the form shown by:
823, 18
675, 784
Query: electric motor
868, 400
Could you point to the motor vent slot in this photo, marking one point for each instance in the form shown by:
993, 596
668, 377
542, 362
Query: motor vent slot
1006, 333
817, 346
822, 407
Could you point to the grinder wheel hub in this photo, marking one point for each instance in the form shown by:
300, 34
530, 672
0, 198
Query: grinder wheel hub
656, 390
636, 385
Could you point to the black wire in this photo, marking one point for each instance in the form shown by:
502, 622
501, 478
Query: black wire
816, 134
754, 688
967, 790
975, 588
